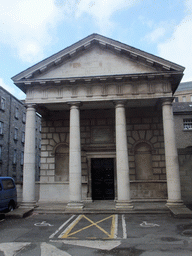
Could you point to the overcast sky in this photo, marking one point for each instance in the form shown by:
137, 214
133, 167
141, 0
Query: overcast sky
31, 30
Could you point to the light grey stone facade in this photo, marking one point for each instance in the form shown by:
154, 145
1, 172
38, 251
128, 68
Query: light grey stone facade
107, 125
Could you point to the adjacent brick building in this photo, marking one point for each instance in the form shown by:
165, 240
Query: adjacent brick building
12, 137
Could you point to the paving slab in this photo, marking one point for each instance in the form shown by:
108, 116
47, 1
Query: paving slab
19, 213
103, 207
181, 211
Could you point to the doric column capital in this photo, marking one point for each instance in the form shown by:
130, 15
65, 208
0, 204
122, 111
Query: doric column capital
167, 101
31, 106
120, 103
75, 104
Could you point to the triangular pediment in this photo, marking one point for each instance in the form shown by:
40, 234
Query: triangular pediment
95, 56
96, 62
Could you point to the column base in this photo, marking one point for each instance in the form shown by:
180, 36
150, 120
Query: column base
28, 204
174, 203
124, 205
75, 205
88, 200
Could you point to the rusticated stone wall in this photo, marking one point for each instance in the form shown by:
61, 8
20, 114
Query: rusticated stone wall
144, 126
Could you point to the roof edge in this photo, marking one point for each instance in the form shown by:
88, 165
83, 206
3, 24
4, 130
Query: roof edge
56, 58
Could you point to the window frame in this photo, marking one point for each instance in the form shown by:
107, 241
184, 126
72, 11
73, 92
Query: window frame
2, 103
1, 127
15, 133
24, 118
14, 156
23, 137
17, 113
187, 124
1, 153
22, 158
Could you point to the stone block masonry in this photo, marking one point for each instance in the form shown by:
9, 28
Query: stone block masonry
145, 128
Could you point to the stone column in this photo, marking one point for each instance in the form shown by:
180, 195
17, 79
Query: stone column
29, 159
122, 163
171, 156
75, 159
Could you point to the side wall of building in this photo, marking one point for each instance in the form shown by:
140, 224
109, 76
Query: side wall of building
185, 163
183, 111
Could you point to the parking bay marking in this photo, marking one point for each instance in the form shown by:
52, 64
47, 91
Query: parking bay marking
110, 234
67, 232
62, 226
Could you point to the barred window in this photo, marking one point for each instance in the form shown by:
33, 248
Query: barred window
187, 124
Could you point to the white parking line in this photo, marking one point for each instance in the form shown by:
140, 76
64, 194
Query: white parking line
63, 225
116, 226
124, 227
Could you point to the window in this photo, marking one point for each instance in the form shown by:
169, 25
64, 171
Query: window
24, 117
15, 156
16, 113
16, 134
2, 105
184, 98
0, 153
176, 99
187, 124
23, 137
191, 98
8, 184
1, 128
22, 158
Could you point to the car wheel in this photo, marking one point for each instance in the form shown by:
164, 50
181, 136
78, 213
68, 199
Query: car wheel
11, 207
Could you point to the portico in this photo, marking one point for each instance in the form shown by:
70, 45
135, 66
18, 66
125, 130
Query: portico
107, 125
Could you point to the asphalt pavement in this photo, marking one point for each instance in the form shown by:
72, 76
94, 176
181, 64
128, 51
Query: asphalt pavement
96, 234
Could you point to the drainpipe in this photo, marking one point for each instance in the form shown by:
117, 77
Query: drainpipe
9, 135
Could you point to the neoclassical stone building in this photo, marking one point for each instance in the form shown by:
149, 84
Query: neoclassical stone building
107, 125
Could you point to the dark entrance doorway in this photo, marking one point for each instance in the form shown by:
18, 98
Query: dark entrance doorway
102, 173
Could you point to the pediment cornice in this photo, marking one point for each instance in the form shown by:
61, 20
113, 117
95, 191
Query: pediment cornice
173, 77
162, 66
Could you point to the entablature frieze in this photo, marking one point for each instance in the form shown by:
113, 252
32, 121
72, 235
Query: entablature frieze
98, 91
